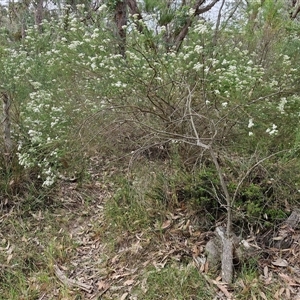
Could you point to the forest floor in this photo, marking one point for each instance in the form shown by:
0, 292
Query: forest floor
75, 251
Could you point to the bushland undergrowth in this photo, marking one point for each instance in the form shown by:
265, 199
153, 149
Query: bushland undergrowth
211, 123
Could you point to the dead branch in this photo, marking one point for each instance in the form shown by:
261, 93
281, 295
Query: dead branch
71, 282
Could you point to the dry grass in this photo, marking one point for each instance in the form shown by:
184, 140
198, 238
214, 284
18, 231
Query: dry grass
110, 240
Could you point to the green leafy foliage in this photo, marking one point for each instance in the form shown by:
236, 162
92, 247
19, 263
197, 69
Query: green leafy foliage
65, 77
75, 98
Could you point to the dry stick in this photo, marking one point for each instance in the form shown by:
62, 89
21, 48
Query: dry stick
231, 14
71, 282
199, 143
218, 23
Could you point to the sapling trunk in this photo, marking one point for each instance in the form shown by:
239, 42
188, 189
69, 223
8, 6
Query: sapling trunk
226, 237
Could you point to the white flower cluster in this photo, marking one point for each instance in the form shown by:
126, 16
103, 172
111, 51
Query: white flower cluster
191, 11
45, 123
200, 28
282, 103
119, 84
250, 125
74, 44
273, 130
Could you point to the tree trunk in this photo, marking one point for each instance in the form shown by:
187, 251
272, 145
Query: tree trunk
39, 14
199, 9
121, 22
227, 236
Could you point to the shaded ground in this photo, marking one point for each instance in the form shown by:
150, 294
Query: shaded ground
91, 258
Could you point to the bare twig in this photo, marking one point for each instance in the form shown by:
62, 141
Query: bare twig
71, 282
218, 23
42, 297
198, 141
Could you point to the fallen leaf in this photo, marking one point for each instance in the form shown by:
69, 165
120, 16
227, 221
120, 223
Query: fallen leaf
129, 282
117, 276
280, 262
195, 250
266, 272
124, 296
115, 259
279, 293
223, 289
278, 238
290, 281
166, 224
102, 285
9, 258
206, 267
262, 294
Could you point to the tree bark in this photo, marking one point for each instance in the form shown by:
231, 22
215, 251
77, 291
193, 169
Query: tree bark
39, 14
199, 9
226, 256
121, 22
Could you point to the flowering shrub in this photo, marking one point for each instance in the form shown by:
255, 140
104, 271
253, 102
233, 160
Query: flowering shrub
43, 134
71, 71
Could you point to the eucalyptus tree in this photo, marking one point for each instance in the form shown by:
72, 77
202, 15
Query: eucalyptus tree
175, 17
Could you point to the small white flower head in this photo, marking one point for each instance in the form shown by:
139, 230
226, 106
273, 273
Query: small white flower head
225, 104
49, 181
251, 133
102, 7
80, 6
200, 28
281, 104
273, 83
286, 60
250, 124
273, 130
197, 67
232, 68
191, 11
95, 35
198, 49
